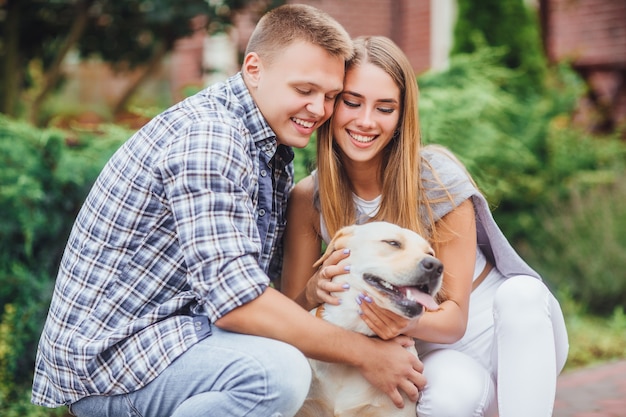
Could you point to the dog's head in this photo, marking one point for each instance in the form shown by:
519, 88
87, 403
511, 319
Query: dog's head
393, 265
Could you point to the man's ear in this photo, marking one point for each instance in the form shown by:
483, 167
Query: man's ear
251, 68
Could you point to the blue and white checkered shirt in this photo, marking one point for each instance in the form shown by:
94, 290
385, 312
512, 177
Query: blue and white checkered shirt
185, 216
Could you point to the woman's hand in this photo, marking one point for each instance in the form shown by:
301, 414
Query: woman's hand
386, 324
320, 287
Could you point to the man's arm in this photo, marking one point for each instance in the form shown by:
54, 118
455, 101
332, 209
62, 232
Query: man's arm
387, 365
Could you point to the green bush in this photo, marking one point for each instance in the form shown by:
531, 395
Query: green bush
44, 178
43, 183
580, 248
520, 149
511, 25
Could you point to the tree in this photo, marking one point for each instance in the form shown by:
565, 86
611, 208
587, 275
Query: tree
124, 33
509, 24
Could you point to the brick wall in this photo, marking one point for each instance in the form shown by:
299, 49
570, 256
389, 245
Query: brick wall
592, 32
415, 37
406, 22
592, 35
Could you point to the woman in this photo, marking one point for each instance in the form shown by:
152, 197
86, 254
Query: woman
499, 333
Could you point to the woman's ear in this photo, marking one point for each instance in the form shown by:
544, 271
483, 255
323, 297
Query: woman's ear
251, 69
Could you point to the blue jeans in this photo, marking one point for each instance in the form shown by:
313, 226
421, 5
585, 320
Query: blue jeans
225, 374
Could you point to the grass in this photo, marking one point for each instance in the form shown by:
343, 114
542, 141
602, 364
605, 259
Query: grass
595, 340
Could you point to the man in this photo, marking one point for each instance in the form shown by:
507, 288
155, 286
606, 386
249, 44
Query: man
162, 305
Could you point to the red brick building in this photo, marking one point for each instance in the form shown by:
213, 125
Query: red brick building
422, 28
592, 35
406, 22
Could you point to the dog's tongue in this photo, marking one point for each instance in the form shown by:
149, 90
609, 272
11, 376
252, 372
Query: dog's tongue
424, 299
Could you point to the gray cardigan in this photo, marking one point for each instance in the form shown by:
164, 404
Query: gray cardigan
442, 173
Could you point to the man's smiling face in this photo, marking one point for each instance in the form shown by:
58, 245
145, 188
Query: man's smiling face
296, 91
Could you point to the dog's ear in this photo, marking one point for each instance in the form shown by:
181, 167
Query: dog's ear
335, 243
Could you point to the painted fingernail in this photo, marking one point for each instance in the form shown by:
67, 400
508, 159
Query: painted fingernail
358, 300
345, 286
346, 251
346, 268
360, 312
366, 298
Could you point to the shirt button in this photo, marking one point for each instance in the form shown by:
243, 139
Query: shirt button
263, 173
262, 212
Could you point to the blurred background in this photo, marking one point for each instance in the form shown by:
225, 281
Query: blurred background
531, 94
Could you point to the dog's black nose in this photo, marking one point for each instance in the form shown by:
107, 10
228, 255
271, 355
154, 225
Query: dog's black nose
431, 264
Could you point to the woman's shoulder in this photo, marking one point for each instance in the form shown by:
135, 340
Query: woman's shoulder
442, 165
302, 206
445, 178
442, 160
305, 187
303, 194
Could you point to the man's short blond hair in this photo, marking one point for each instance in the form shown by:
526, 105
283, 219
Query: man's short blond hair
289, 23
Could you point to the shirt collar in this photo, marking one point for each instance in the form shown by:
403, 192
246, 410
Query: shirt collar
254, 121
252, 117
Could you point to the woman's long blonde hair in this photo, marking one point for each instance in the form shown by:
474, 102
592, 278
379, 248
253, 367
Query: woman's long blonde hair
403, 199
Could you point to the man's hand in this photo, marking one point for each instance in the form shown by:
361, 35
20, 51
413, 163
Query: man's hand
390, 367
387, 365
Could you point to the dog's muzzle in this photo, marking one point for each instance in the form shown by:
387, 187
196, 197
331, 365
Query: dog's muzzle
411, 299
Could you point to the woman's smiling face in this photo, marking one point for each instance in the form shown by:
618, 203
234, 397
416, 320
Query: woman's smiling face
367, 113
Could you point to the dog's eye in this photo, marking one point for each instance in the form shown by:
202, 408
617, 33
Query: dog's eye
393, 243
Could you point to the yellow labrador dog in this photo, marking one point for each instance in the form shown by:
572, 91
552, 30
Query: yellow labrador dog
397, 269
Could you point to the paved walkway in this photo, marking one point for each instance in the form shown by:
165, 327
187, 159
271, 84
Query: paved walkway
597, 391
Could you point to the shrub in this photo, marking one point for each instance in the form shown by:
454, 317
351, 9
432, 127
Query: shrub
580, 248
522, 150
43, 183
510, 24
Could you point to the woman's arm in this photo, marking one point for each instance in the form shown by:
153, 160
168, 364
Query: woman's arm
307, 285
458, 255
301, 244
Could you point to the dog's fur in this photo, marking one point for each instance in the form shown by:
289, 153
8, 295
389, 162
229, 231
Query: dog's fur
397, 269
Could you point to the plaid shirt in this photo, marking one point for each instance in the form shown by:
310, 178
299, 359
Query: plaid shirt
186, 216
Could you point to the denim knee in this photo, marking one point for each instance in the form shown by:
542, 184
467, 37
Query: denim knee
291, 380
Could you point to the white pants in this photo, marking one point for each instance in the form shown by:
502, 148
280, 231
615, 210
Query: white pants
513, 349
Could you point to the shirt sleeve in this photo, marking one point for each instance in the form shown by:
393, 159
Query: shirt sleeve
209, 179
